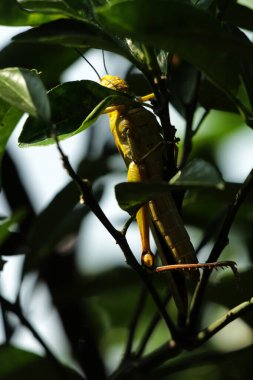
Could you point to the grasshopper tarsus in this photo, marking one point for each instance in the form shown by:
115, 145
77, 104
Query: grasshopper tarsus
148, 260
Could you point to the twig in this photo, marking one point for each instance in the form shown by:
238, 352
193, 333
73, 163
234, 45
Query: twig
189, 133
88, 199
196, 129
196, 360
220, 244
15, 309
150, 329
162, 95
127, 224
134, 322
229, 317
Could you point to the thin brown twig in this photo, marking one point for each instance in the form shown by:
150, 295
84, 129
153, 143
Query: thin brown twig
150, 329
134, 323
15, 309
203, 117
127, 225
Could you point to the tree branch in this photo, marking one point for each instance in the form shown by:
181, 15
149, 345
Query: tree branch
134, 322
149, 330
229, 317
15, 309
220, 244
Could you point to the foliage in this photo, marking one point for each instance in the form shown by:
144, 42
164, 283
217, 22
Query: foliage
195, 56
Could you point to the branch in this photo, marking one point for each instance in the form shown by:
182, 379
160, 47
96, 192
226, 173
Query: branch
88, 199
15, 309
150, 329
190, 109
172, 349
203, 117
229, 317
197, 360
134, 322
220, 244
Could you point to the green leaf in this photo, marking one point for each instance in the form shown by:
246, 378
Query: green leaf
202, 207
71, 33
2, 262
50, 225
183, 81
49, 60
23, 89
231, 291
239, 15
210, 97
9, 222
198, 173
75, 106
9, 117
68, 8
11, 14
16, 363
132, 195
62, 217
190, 32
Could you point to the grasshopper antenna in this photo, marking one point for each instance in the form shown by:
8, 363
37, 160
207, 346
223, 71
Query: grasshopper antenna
103, 55
86, 60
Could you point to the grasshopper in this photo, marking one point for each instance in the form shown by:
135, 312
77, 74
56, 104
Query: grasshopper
138, 138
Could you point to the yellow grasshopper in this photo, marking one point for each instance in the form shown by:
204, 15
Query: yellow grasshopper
138, 137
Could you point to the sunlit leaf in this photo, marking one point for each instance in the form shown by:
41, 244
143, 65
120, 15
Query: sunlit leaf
75, 106
12, 14
73, 8
9, 222
24, 90
9, 117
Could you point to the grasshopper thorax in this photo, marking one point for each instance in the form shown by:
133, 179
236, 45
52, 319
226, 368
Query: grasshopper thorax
114, 82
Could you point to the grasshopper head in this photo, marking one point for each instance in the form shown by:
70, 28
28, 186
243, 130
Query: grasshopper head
114, 82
